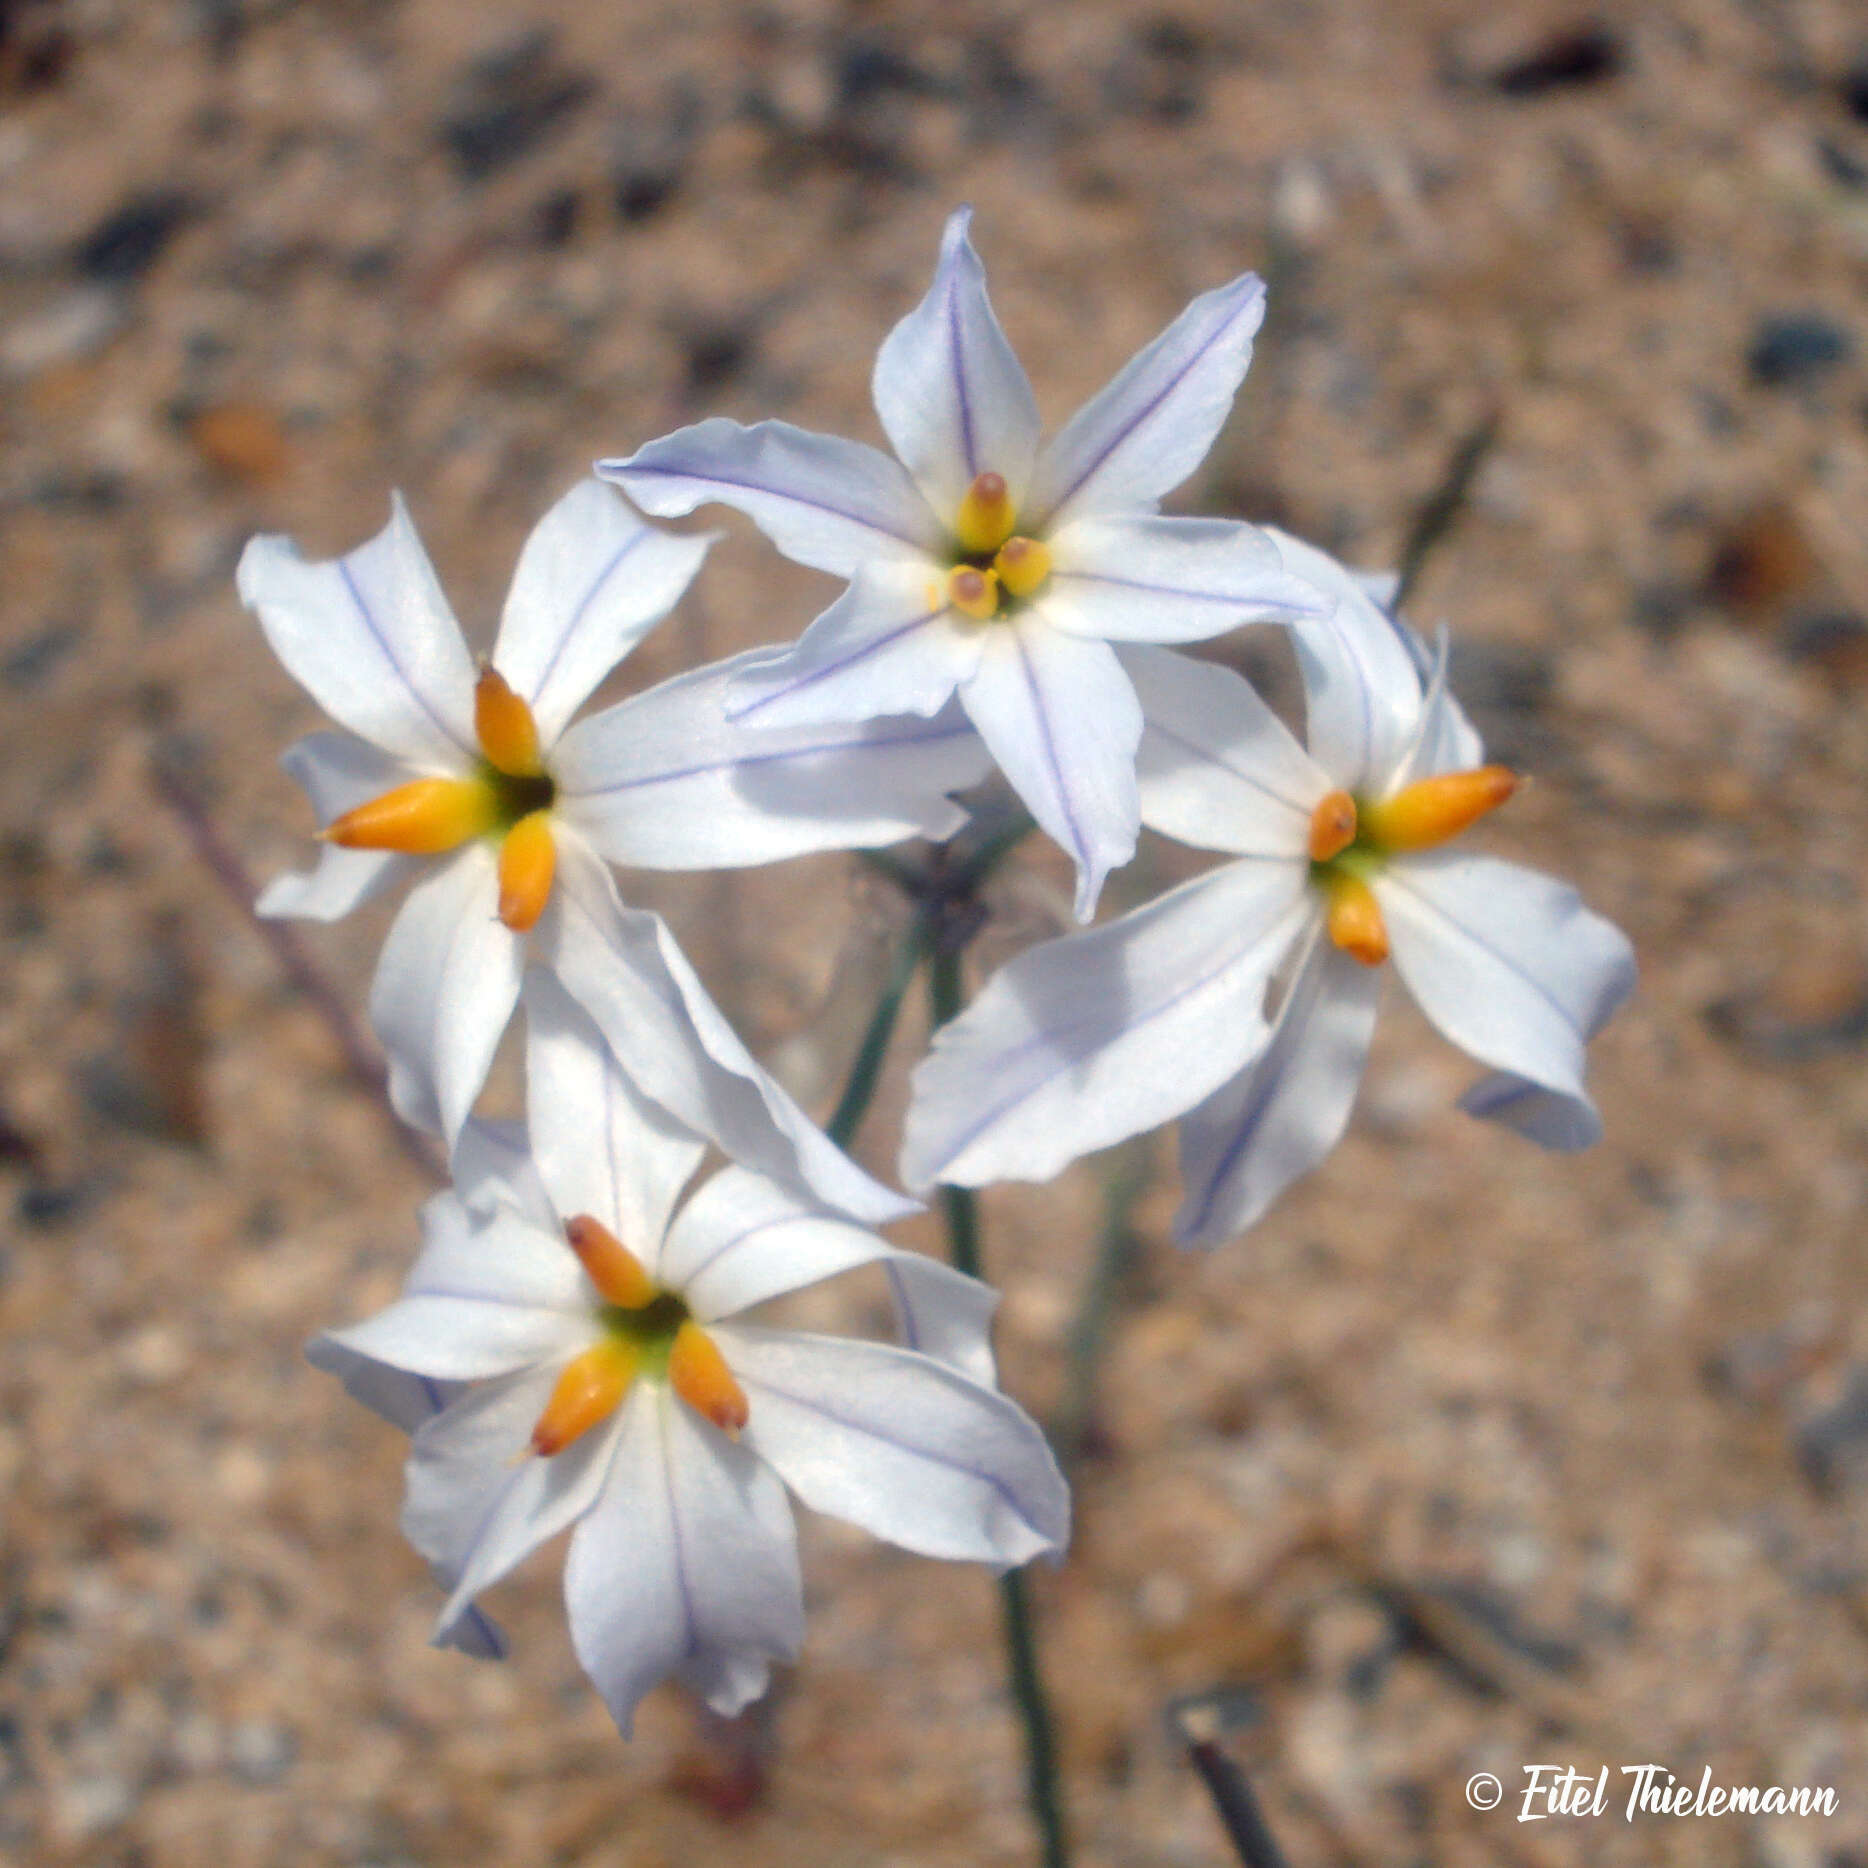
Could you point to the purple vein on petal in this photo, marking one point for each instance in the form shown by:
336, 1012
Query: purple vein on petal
390, 656
930, 736
869, 1431
1248, 302
1045, 1039
867, 520
577, 615
969, 447
872, 647
1079, 844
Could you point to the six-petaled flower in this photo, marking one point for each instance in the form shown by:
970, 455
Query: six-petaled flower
1343, 856
982, 563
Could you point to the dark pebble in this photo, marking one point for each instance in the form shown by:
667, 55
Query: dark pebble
554, 220
867, 69
45, 1206
1160, 75
716, 354
1566, 61
1855, 91
1832, 1447
35, 658
1834, 640
507, 103
1842, 165
1797, 347
124, 245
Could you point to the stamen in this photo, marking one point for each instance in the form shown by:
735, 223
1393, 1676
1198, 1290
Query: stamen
698, 1373
507, 732
527, 861
1433, 810
1355, 918
1332, 826
590, 1390
985, 518
615, 1270
422, 818
1024, 566
976, 593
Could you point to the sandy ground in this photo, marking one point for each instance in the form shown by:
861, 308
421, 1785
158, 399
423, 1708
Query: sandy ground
1468, 1458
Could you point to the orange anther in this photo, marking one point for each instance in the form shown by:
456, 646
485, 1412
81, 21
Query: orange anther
527, 861
984, 521
590, 1390
1024, 565
1433, 810
615, 1270
698, 1373
974, 593
1355, 919
1332, 826
507, 732
422, 818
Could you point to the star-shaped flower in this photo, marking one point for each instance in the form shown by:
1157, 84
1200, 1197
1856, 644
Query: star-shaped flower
980, 562
478, 783
1344, 858
589, 1323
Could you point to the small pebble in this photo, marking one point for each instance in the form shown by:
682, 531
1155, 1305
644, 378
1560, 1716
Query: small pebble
261, 1752
1796, 347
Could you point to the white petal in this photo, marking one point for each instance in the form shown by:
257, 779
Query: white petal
492, 1168
1509, 964
406, 1401
822, 501
601, 1146
1063, 722
1362, 685
495, 1255
338, 772
899, 1444
464, 1338
1445, 740
888, 645
666, 781
1101, 1035
1140, 578
1151, 426
623, 967
592, 581
517, 1500
687, 1565
1217, 768
444, 990
371, 638
743, 1239
1276, 1120
953, 400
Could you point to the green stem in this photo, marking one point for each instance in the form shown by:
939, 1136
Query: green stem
866, 1069
946, 994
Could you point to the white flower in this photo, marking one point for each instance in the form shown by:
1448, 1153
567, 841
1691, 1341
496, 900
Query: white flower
587, 1323
478, 779
1340, 863
979, 561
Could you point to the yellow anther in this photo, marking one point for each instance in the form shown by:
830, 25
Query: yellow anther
1332, 826
504, 725
1355, 918
1432, 810
419, 819
698, 1373
974, 593
1024, 565
590, 1390
527, 861
985, 518
612, 1267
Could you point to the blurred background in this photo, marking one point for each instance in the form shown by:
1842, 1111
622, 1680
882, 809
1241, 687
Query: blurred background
1468, 1458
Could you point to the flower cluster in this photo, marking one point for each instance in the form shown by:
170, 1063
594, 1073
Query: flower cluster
573, 1346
